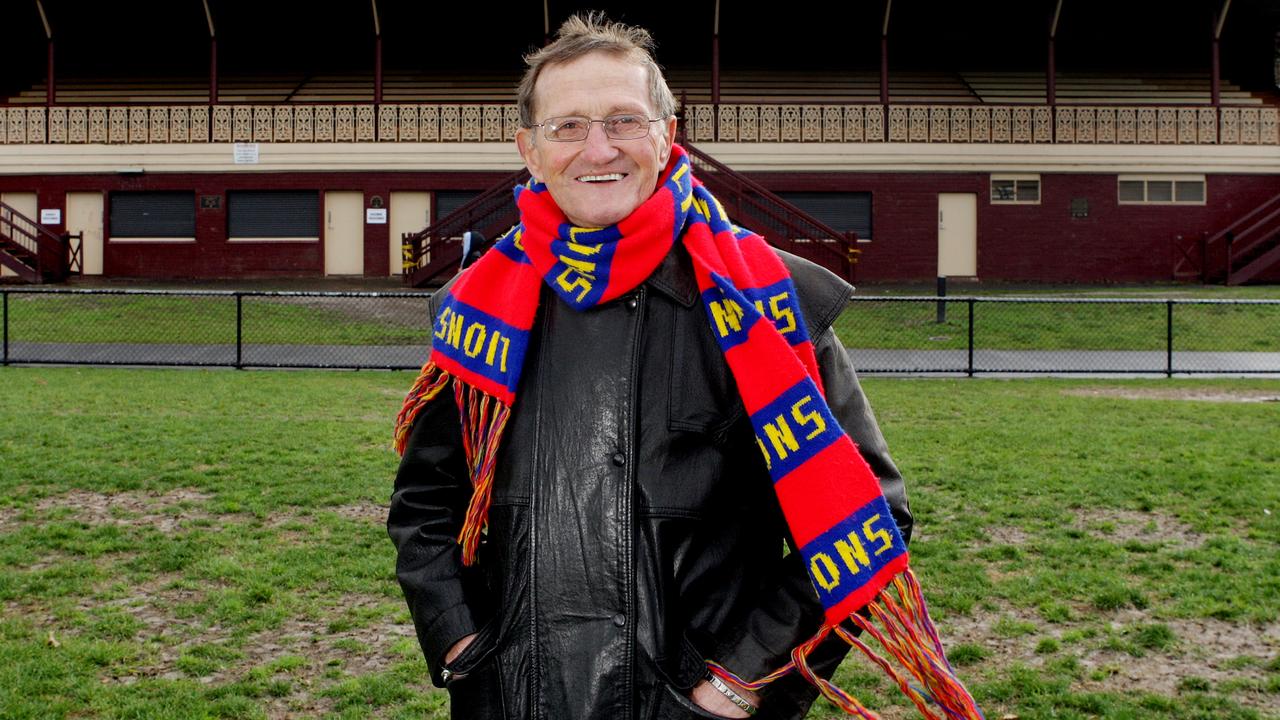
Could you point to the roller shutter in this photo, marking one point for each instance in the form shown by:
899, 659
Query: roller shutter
843, 211
153, 214
273, 213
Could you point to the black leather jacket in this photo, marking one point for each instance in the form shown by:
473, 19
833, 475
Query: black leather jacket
634, 532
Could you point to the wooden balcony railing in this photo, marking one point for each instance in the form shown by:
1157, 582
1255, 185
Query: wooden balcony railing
764, 123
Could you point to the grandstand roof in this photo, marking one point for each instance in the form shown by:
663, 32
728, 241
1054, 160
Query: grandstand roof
170, 38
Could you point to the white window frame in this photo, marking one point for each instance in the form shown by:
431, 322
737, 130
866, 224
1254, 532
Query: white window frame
1016, 178
1175, 179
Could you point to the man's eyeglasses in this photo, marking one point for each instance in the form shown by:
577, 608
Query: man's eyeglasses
575, 129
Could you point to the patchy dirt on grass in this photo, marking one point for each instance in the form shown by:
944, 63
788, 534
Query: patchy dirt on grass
1157, 393
317, 647
1201, 648
1117, 526
167, 511
1152, 527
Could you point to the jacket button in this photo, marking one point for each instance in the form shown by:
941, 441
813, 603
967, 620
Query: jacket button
619, 619
632, 302
619, 459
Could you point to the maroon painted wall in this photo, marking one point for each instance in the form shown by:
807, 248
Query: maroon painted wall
211, 256
1043, 243
1115, 243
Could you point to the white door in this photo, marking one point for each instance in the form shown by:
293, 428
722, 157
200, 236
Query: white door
344, 233
957, 235
24, 203
84, 215
410, 212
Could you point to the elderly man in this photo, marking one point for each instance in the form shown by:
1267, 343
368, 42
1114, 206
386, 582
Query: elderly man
589, 405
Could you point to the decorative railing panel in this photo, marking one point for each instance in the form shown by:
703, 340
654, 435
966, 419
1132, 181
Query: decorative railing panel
762, 123
1191, 125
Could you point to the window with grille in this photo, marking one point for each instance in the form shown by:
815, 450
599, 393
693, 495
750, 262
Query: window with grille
1015, 189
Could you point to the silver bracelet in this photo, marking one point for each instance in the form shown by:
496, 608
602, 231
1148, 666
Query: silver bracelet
729, 692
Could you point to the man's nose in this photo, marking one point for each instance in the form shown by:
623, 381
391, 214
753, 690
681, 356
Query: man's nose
599, 146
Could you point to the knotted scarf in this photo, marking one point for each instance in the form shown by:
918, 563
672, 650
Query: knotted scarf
832, 501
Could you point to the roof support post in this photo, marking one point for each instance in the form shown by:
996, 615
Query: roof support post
377, 54
1215, 81
1051, 73
50, 93
213, 56
715, 68
884, 59
715, 57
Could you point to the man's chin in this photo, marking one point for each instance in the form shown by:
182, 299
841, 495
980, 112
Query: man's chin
598, 217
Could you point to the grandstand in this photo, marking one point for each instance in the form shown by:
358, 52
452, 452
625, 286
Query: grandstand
1055, 140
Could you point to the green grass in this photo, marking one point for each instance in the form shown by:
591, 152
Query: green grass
211, 319
208, 544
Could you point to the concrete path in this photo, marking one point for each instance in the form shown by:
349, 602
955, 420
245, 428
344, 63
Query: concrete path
868, 361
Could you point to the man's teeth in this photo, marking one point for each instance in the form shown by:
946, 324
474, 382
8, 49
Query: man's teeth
601, 178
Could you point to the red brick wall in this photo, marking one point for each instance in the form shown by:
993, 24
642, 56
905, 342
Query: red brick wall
1115, 243
211, 256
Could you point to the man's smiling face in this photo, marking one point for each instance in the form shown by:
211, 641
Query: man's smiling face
597, 181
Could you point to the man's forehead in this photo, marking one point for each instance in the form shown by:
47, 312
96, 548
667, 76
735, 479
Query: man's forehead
596, 82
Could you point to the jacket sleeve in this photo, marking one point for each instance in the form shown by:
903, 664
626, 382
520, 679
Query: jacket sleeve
773, 629
429, 501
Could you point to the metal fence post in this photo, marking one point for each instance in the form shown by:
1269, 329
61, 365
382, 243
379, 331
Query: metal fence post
239, 329
6, 327
1168, 360
970, 337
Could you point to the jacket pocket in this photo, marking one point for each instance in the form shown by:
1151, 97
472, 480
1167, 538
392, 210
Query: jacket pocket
671, 705
480, 649
474, 685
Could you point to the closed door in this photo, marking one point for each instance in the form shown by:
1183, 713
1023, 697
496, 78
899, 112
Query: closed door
344, 233
957, 235
84, 215
410, 213
25, 204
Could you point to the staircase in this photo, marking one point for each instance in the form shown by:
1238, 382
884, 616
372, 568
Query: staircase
432, 255
782, 224
1236, 254
35, 253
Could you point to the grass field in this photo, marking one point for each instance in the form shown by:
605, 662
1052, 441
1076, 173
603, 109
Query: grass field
189, 544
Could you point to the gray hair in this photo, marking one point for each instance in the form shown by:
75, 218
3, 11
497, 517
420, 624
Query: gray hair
592, 32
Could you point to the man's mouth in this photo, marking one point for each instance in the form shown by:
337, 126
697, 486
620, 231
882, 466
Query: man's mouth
610, 177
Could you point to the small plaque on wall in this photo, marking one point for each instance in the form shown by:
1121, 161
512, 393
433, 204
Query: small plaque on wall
1079, 207
50, 216
210, 202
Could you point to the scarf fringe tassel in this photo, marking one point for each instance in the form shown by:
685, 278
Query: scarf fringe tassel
483, 420
902, 627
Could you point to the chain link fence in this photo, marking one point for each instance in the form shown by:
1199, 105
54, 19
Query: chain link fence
974, 335
391, 330
350, 330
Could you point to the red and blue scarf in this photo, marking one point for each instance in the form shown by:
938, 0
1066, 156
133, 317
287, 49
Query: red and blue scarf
831, 499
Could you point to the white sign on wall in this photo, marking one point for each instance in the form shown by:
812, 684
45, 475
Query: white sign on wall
245, 153
375, 216
51, 217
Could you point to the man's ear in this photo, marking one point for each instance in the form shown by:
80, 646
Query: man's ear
525, 144
670, 127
